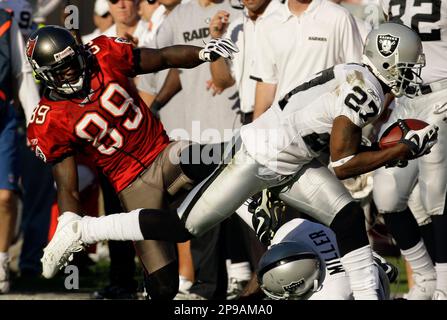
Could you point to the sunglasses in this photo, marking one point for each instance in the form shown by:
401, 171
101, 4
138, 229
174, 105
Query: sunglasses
116, 1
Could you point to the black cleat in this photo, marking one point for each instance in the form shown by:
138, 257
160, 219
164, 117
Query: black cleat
268, 215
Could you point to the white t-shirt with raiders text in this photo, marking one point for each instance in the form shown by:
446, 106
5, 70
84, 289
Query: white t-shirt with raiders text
290, 48
242, 31
199, 116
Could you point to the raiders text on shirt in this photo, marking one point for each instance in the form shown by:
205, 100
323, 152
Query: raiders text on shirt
201, 33
318, 39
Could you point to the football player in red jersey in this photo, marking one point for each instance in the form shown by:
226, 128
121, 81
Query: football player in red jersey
91, 107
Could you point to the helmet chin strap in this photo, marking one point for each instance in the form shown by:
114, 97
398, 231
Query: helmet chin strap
68, 88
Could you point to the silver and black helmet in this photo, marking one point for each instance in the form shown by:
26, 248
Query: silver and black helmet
394, 53
290, 271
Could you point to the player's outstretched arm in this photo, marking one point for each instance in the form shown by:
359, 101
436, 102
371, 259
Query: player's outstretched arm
66, 177
182, 56
346, 158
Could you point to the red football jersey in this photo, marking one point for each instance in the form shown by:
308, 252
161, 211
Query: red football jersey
112, 126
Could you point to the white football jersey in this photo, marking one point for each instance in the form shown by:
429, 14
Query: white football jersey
23, 14
429, 19
297, 128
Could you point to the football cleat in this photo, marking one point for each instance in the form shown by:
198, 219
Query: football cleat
66, 240
235, 288
424, 287
391, 270
439, 295
4, 277
268, 213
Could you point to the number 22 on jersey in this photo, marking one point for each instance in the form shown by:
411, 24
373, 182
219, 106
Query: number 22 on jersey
422, 15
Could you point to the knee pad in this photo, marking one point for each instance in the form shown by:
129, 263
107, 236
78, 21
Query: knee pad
417, 208
386, 192
349, 227
433, 198
163, 284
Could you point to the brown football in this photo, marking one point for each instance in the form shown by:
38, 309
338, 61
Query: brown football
393, 133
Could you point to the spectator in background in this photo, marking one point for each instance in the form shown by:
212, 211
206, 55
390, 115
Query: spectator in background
150, 84
147, 9
304, 37
102, 20
368, 14
189, 24
128, 23
13, 66
22, 12
44, 8
242, 31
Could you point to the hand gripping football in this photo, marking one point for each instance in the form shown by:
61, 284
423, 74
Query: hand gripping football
394, 133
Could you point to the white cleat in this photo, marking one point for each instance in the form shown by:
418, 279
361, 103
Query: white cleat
66, 241
424, 287
4, 277
439, 295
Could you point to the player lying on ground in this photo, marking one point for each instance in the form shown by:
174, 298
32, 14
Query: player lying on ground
304, 263
280, 149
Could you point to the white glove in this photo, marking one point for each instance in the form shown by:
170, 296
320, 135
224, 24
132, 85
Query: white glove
420, 141
217, 48
440, 108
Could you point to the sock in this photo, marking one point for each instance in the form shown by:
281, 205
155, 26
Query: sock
122, 226
240, 271
441, 276
184, 284
419, 259
4, 256
427, 233
362, 274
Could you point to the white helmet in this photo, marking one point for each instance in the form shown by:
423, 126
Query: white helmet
290, 270
394, 54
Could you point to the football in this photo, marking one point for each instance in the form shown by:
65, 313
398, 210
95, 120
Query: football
394, 133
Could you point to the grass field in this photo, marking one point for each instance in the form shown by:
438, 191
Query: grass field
400, 286
96, 277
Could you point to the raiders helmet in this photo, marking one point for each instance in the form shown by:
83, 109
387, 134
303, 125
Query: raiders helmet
394, 54
290, 271
57, 59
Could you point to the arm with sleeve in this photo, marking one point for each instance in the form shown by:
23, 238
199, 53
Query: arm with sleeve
165, 33
222, 71
172, 84
264, 69
351, 44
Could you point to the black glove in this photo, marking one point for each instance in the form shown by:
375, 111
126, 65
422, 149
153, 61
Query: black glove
397, 163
